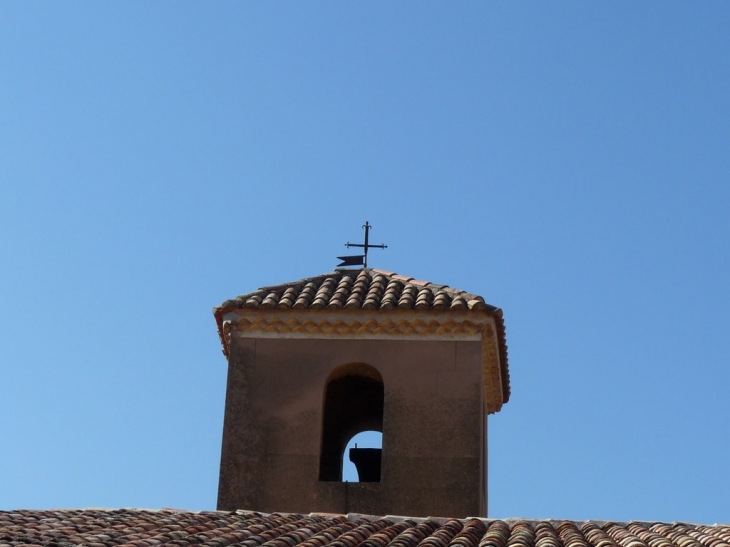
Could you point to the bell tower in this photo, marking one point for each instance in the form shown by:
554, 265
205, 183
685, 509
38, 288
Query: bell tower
314, 362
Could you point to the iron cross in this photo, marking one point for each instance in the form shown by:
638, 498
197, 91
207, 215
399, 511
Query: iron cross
360, 259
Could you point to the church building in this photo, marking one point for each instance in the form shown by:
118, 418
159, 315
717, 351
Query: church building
311, 364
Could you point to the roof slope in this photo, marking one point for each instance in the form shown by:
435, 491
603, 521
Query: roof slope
365, 289
368, 289
139, 528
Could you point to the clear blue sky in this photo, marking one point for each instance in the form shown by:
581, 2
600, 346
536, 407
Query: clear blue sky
568, 161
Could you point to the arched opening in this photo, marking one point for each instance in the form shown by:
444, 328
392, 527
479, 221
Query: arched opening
353, 403
361, 461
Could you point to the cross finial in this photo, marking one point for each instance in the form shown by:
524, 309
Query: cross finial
363, 258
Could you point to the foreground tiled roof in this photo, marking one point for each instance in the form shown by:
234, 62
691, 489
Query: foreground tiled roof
139, 528
368, 289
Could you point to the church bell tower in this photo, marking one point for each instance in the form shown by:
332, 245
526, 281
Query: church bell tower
314, 362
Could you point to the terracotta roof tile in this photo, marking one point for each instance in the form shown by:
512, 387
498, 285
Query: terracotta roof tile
141, 528
359, 289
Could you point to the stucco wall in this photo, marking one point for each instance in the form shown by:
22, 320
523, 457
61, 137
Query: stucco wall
434, 427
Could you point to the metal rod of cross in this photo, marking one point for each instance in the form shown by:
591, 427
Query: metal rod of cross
357, 260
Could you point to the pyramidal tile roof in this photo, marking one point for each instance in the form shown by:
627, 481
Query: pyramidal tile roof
364, 289
367, 289
143, 528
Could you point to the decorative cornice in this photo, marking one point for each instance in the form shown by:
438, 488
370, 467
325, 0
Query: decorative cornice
492, 371
384, 326
226, 336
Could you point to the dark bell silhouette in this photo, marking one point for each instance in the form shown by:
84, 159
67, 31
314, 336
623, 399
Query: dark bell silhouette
367, 462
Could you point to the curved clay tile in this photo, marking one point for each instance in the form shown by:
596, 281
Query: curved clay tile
253, 301
545, 536
458, 303
271, 300
338, 299
379, 282
354, 302
360, 287
441, 300
375, 292
363, 276
305, 297
345, 283
413, 536
596, 536
391, 295
469, 535
359, 290
522, 536
571, 535
322, 298
288, 298
407, 297
476, 305
423, 299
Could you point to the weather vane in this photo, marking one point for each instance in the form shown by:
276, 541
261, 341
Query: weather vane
357, 260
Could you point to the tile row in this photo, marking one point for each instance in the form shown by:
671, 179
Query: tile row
366, 289
140, 528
